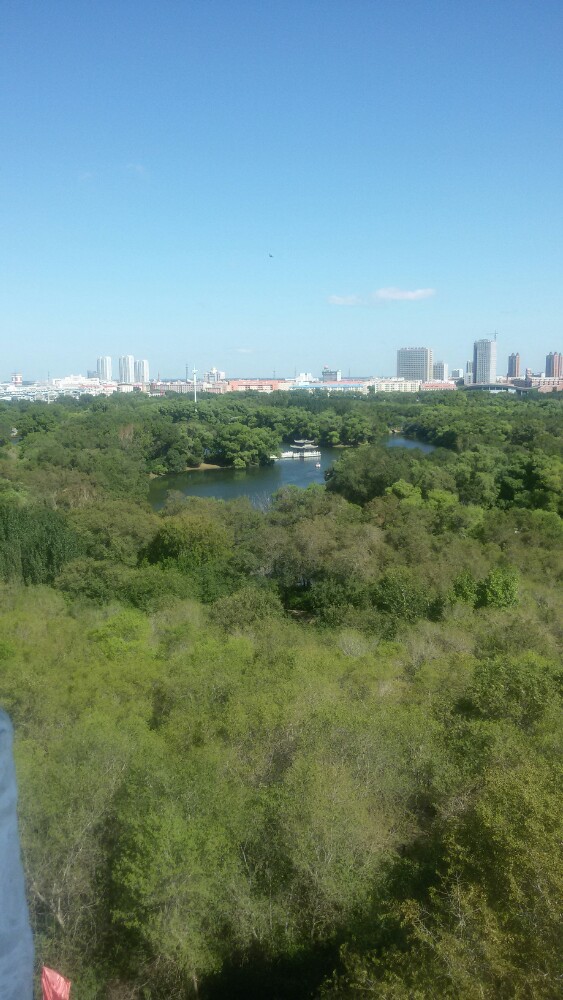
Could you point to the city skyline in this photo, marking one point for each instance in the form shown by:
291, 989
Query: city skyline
550, 362
275, 182
536, 357
412, 363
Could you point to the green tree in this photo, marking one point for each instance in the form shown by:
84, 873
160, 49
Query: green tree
499, 589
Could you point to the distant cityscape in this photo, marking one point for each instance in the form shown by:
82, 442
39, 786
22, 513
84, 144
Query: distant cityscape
416, 371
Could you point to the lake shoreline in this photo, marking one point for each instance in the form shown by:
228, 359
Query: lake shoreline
257, 482
204, 466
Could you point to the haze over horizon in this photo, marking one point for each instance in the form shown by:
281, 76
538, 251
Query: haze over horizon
263, 187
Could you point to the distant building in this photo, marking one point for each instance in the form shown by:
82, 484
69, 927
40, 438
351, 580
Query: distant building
344, 385
396, 385
214, 376
104, 368
76, 384
216, 388
550, 385
141, 371
159, 387
257, 384
484, 361
513, 366
415, 363
328, 375
16, 379
440, 371
540, 382
457, 373
554, 365
437, 386
127, 369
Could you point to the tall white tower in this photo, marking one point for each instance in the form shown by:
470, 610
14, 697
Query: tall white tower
141, 371
127, 369
104, 368
484, 361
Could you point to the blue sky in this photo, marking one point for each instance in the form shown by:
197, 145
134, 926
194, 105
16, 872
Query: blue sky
401, 162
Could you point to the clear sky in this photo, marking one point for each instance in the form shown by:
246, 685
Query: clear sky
276, 184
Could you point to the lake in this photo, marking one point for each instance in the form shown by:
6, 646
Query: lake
259, 482
396, 441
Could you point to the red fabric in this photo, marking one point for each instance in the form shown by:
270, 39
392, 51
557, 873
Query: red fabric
55, 986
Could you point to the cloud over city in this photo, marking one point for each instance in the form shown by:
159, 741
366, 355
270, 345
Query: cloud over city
346, 300
403, 294
391, 294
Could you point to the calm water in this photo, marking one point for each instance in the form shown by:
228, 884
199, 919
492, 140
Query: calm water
396, 441
257, 483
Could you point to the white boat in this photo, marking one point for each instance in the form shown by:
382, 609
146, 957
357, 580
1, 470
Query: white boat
303, 449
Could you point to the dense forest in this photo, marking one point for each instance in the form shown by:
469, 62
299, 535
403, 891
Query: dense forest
311, 751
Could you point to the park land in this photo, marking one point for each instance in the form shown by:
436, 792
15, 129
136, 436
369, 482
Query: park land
307, 752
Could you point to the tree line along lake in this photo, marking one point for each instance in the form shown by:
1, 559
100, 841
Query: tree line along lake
259, 482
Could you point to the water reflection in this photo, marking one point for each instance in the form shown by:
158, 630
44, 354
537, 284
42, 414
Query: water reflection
259, 482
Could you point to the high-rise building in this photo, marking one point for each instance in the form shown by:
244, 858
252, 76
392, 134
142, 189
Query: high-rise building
440, 371
104, 368
127, 369
213, 375
554, 365
513, 366
484, 361
141, 371
414, 363
457, 373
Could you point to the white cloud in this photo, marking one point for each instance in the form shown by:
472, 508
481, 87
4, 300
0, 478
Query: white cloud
243, 350
403, 294
383, 295
345, 300
137, 170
